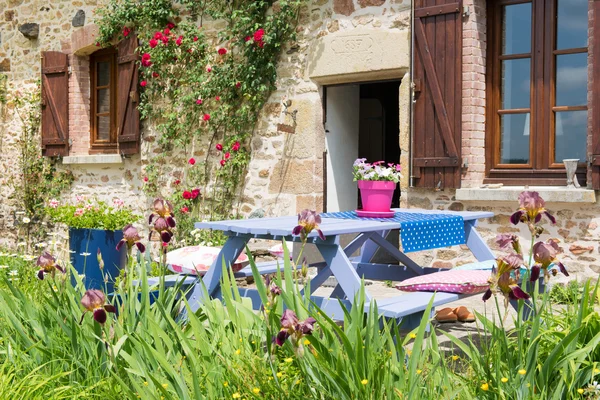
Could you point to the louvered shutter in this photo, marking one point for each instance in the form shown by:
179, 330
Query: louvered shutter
437, 82
595, 109
55, 104
128, 115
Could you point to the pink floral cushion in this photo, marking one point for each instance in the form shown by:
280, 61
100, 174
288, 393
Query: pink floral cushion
277, 251
196, 260
453, 281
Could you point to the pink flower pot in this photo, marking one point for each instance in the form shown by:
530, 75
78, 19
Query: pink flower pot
376, 195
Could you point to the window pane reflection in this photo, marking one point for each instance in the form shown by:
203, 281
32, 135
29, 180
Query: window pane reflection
103, 72
103, 128
515, 138
572, 24
571, 79
516, 83
103, 101
516, 29
571, 135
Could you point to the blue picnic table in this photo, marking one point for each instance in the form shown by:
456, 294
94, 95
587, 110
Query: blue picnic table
348, 271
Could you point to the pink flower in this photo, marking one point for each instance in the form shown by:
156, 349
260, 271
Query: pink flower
217, 98
199, 101
195, 38
236, 146
222, 51
219, 146
206, 117
153, 43
184, 210
54, 203
179, 40
118, 203
192, 161
143, 83
78, 212
227, 155
145, 179
126, 31
208, 69
223, 162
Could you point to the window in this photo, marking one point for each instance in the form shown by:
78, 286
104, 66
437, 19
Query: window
103, 101
536, 89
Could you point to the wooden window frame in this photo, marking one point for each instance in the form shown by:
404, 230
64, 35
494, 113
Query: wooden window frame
98, 146
540, 170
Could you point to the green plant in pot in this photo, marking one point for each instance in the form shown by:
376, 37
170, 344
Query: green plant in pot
95, 229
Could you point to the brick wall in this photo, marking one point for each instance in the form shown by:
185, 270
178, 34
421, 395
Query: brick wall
473, 117
79, 104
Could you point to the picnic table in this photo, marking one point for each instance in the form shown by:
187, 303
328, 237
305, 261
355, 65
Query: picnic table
420, 229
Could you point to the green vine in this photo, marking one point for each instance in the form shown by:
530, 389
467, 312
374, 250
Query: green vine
203, 87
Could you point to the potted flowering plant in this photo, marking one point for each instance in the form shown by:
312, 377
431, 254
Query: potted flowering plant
94, 229
377, 182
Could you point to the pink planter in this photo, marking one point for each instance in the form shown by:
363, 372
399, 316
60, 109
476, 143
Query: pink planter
376, 195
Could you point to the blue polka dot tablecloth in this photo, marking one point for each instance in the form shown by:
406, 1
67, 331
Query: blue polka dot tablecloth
419, 231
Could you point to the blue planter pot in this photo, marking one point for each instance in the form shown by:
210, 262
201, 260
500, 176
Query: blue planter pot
89, 241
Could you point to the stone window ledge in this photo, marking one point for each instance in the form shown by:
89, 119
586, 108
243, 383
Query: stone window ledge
94, 159
552, 194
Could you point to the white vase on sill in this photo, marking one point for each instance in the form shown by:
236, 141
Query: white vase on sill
571, 167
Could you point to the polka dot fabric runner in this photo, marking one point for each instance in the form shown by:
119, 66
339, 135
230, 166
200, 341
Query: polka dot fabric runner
419, 231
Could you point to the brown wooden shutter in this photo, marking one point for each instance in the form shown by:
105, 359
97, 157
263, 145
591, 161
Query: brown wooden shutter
128, 115
55, 104
595, 106
437, 80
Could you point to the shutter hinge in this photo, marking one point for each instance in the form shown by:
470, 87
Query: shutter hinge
466, 12
70, 70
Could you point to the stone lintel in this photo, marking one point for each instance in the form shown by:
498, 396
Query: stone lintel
83, 41
360, 55
552, 194
94, 159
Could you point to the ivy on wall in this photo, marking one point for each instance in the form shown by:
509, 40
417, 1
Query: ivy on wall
203, 90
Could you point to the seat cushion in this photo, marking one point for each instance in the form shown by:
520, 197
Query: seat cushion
277, 251
196, 260
453, 281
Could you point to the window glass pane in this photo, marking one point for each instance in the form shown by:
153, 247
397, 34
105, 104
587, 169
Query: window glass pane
104, 128
103, 72
572, 24
103, 100
571, 135
515, 83
514, 142
516, 29
571, 79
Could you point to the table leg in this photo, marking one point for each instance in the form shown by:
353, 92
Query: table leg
343, 270
212, 279
476, 244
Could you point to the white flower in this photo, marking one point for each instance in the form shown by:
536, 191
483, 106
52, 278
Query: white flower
4, 266
14, 272
85, 254
41, 244
21, 244
71, 251
13, 279
26, 220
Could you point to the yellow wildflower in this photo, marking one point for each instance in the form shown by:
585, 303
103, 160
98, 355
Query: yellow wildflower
256, 390
413, 336
238, 352
306, 342
419, 372
528, 384
279, 374
225, 384
289, 360
241, 340
364, 381
236, 395
596, 370
580, 391
146, 383
522, 372
165, 385
485, 387
504, 380
454, 358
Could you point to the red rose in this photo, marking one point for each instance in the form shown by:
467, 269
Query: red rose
187, 195
155, 75
238, 84
165, 39
236, 146
195, 193
192, 161
219, 146
167, 31
195, 38
146, 63
189, 51
153, 43
145, 179
223, 162
170, 25
97, 44
247, 38
208, 69
179, 40
199, 101
126, 31
158, 35
143, 83
222, 51
177, 182
206, 117
184, 210
217, 98
227, 155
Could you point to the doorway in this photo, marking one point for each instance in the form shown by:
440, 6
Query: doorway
362, 121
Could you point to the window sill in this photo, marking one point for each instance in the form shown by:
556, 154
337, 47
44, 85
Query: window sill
94, 159
552, 194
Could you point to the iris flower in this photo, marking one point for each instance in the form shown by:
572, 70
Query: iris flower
531, 209
501, 280
131, 237
47, 264
307, 222
94, 301
506, 240
291, 326
163, 210
544, 255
